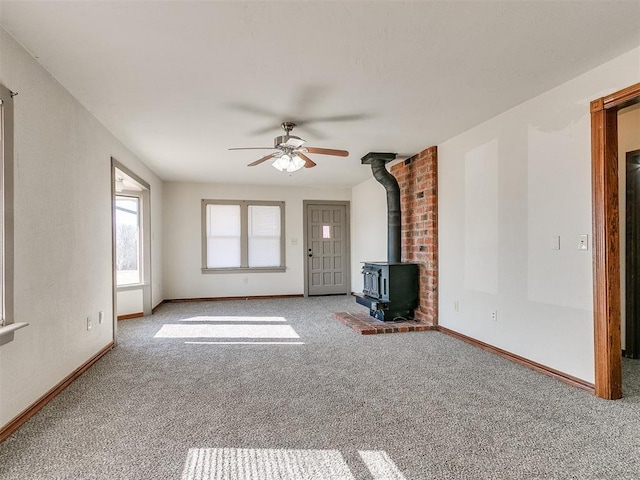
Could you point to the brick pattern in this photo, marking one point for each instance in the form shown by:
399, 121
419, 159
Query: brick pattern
365, 324
418, 181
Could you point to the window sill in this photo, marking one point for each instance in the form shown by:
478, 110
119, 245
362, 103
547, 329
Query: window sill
131, 286
6, 333
245, 270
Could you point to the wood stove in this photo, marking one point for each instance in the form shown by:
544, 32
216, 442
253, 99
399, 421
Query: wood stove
390, 288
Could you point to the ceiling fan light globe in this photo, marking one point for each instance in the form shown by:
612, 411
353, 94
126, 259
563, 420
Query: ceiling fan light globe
282, 162
297, 162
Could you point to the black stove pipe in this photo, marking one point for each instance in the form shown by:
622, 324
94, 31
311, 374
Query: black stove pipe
389, 182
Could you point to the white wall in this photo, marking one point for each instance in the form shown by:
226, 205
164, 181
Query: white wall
505, 188
628, 141
63, 236
183, 240
129, 302
368, 228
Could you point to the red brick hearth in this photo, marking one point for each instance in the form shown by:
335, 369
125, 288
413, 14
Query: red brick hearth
365, 324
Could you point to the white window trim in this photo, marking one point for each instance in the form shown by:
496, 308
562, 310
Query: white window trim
244, 240
7, 324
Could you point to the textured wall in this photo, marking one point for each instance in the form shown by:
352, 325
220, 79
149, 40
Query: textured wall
506, 188
183, 240
63, 232
368, 227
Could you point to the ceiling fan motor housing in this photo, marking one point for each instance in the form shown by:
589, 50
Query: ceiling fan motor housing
288, 141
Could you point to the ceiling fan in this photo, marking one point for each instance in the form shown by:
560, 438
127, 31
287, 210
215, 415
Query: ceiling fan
290, 154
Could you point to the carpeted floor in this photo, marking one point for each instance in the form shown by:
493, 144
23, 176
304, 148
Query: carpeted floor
173, 401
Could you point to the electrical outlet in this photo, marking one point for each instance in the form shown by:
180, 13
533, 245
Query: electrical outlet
89, 324
456, 306
100, 317
583, 242
494, 315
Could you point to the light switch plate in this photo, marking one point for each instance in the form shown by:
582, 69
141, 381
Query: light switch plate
555, 243
583, 242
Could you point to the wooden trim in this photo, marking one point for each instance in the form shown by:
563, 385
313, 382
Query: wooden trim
622, 98
606, 240
154, 309
129, 316
606, 252
35, 407
216, 299
538, 367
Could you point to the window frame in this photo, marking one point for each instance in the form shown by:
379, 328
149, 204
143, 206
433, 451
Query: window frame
6, 207
244, 236
8, 325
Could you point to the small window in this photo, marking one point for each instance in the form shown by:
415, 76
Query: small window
242, 235
128, 271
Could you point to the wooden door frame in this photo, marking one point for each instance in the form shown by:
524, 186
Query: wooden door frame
606, 240
347, 205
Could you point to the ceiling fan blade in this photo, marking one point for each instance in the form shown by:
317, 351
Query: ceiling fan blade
327, 151
253, 148
308, 163
254, 109
334, 118
263, 159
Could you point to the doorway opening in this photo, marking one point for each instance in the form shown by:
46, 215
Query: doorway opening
131, 244
606, 236
630, 325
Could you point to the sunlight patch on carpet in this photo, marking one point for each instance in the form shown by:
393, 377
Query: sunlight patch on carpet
264, 464
206, 318
255, 342
283, 464
226, 331
380, 465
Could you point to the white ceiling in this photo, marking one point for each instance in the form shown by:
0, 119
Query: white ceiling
181, 82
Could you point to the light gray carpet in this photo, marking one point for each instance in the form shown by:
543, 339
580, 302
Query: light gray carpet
436, 407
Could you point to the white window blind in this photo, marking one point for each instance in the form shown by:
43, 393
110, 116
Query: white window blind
223, 236
264, 236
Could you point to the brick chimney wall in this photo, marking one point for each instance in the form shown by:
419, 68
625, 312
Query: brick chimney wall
418, 181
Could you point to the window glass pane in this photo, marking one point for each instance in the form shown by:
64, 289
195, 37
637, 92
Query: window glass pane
223, 236
127, 240
264, 236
